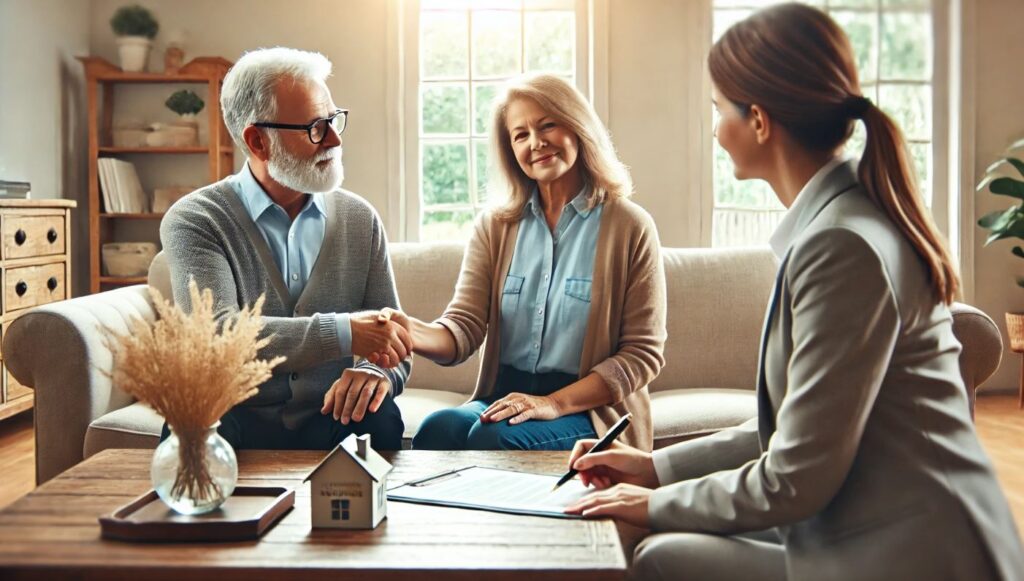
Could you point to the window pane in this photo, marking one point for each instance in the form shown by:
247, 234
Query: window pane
483, 97
444, 47
906, 46
742, 227
862, 28
445, 173
481, 157
549, 42
445, 109
853, 4
439, 226
724, 19
496, 43
910, 106
922, 157
855, 146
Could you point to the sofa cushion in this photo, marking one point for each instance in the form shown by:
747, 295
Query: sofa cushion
133, 426
716, 302
683, 414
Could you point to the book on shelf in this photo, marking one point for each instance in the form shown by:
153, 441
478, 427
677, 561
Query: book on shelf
14, 190
122, 191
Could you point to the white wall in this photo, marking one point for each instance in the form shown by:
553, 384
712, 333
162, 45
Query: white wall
42, 133
999, 119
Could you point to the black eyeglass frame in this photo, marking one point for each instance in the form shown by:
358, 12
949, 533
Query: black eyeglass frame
309, 127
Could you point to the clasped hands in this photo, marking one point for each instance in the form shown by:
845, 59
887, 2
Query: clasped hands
384, 341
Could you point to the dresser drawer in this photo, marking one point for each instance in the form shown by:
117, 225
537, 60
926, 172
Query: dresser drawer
29, 286
28, 236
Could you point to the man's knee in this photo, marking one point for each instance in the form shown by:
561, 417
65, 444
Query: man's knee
385, 426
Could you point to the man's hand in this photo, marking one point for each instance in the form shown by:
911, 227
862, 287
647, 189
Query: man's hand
389, 316
616, 465
519, 407
388, 342
355, 393
624, 502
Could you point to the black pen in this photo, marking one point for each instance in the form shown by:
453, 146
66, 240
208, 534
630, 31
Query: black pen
619, 427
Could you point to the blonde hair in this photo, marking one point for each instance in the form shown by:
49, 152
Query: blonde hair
602, 172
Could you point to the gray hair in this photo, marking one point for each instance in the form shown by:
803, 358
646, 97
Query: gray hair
248, 92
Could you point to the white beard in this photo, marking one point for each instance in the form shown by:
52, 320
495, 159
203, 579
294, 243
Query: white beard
303, 175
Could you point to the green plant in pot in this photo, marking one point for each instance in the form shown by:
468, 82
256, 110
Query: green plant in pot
135, 28
1003, 178
185, 103
185, 131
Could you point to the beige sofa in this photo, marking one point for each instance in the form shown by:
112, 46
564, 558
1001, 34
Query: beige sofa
716, 302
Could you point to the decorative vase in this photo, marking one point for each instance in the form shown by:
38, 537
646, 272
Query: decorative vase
1015, 329
133, 52
194, 473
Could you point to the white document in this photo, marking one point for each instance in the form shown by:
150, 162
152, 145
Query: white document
494, 489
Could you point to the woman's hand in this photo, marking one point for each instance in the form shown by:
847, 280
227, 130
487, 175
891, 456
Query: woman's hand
519, 407
624, 502
616, 465
386, 317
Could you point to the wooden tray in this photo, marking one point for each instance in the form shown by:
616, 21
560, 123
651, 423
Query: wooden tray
247, 514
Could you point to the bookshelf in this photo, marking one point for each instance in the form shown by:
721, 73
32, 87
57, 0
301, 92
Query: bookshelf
101, 79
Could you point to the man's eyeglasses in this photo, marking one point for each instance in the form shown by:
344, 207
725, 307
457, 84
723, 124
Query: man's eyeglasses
317, 130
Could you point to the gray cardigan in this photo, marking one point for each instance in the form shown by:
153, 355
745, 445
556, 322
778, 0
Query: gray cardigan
208, 235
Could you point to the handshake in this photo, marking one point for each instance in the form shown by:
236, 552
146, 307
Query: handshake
382, 337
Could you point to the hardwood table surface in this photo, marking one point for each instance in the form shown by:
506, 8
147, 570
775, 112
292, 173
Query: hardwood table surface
53, 531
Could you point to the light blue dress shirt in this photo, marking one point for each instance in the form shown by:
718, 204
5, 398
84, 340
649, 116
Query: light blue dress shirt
545, 304
295, 245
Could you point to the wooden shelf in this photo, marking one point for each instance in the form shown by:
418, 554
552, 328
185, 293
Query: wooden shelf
125, 280
101, 78
127, 216
124, 150
16, 406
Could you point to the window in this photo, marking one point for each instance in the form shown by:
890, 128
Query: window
893, 44
339, 509
466, 50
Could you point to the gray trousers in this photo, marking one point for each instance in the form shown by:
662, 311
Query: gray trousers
698, 557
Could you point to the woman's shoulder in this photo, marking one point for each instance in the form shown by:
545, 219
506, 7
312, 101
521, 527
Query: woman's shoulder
627, 214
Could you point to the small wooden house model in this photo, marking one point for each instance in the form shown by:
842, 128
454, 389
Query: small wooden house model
349, 486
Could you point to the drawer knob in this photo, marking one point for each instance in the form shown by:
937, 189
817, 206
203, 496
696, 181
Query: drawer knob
52, 283
51, 235
20, 237
21, 288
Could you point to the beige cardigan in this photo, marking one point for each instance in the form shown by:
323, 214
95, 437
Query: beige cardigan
626, 326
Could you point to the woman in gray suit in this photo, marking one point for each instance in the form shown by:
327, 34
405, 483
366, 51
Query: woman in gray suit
863, 462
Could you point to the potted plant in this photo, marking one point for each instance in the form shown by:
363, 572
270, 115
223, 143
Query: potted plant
185, 131
135, 29
1008, 223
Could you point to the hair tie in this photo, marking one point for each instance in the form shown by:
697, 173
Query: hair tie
856, 106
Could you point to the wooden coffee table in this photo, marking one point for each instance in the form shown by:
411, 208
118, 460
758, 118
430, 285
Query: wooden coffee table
53, 531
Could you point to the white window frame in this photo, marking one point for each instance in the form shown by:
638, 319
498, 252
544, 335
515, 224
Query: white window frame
947, 205
404, 196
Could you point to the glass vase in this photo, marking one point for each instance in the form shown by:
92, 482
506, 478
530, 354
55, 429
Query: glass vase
194, 472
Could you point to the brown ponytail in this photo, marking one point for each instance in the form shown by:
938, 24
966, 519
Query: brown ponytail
797, 64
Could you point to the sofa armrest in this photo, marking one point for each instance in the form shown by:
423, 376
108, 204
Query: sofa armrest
58, 350
982, 347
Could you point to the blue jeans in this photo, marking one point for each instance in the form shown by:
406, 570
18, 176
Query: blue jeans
460, 428
247, 428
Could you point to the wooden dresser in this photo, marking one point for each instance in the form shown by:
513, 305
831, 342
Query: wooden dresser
35, 269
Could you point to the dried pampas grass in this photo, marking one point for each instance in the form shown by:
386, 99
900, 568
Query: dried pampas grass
191, 369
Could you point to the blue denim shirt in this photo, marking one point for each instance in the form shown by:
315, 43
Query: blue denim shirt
545, 304
295, 246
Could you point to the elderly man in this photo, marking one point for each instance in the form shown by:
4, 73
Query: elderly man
282, 227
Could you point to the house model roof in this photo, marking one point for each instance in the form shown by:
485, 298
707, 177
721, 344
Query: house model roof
374, 464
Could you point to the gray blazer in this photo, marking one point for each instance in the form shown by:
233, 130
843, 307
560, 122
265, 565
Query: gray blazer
863, 453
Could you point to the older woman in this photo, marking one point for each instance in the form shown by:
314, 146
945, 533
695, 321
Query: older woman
566, 282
